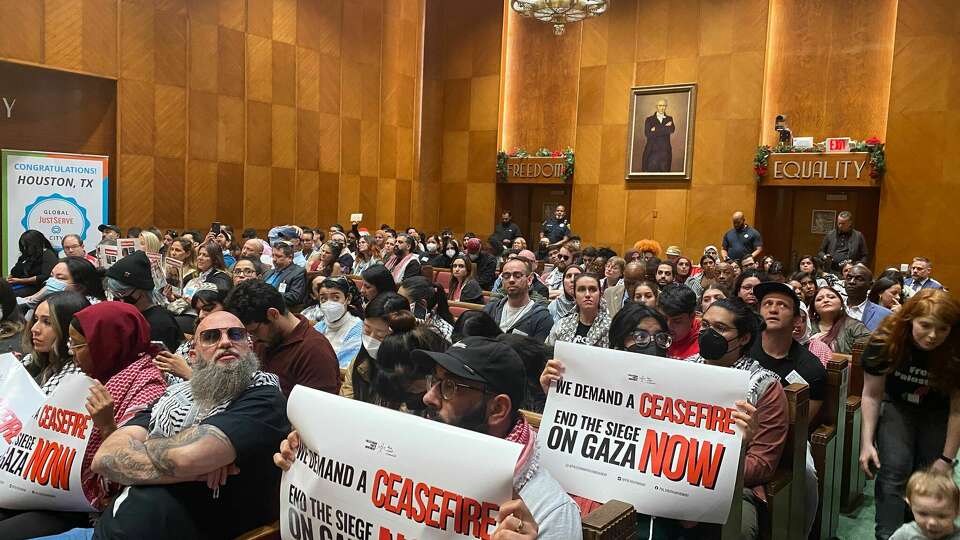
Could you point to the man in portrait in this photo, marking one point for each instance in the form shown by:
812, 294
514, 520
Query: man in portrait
657, 128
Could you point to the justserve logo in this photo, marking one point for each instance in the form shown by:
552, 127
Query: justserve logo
56, 216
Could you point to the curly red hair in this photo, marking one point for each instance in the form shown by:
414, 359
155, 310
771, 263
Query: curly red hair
894, 335
649, 245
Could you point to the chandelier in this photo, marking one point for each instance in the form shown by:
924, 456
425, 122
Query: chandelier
559, 12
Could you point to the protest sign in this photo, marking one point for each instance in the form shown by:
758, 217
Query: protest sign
174, 273
653, 432
364, 471
40, 468
20, 397
107, 255
128, 246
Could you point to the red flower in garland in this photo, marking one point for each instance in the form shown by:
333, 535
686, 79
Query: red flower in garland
874, 173
872, 141
760, 170
556, 153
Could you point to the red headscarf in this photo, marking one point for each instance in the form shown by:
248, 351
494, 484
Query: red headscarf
117, 334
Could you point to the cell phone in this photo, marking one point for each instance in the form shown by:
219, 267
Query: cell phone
160, 345
904, 268
215, 227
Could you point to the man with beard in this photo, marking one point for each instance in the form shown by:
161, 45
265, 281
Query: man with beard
621, 293
726, 275
478, 384
554, 280
665, 273
404, 262
287, 277
290, 347
194, 459
518, 313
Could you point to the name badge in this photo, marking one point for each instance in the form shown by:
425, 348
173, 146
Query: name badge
282, 288
794, 378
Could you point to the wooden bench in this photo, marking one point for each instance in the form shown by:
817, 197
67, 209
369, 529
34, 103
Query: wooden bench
827, 446
457, 308
615, 520
853, 479
785, 517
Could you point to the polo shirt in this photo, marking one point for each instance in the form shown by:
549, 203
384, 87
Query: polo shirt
303, 357
555, 229
741, 243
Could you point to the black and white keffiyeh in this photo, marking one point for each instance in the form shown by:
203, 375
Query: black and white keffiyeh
177, 409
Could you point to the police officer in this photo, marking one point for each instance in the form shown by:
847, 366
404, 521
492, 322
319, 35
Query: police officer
556, 230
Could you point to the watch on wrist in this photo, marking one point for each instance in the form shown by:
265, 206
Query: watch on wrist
947, 460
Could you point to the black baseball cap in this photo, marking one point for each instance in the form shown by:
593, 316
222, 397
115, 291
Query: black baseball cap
768, 287
486, 361
105, 227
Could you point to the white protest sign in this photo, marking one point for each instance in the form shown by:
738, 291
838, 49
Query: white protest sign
650, 431
20, 397
364, 471
56, 194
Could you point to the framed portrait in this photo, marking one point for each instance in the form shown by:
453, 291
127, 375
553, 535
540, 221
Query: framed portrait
660, 134
823, 221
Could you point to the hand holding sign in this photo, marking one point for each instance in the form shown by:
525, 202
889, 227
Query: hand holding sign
552, 372
515, 522
100, 406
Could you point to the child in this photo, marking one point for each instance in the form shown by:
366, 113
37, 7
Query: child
934, 499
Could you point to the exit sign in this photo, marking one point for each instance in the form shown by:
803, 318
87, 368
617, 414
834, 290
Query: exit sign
838, 144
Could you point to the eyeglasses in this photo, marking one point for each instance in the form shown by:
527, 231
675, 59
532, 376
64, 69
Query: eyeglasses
74, 346
212, 336
244, 271
515, 275
662, 339
563, 257
449, 387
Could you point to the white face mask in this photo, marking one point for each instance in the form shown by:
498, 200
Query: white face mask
431, 246
332, 311
371, 344
451, 252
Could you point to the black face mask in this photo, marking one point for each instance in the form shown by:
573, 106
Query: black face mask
712, 344
650, 348
129, 299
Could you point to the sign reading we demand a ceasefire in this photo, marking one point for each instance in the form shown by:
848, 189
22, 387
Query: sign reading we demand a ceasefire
653, 432
43, 440
56, 194
371, 473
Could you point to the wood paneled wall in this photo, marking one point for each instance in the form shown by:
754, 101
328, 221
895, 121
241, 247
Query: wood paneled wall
463, 64
922, 186
827, 70
232, 110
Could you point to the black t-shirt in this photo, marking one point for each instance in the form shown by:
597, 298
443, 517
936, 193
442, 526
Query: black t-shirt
163, 327
909, 383
798, 364
255, 423
581, 335
741, 243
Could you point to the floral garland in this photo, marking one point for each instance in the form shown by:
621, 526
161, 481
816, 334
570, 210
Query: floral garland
543, 152
873, 146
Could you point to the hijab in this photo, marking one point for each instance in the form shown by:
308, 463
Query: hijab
117, 335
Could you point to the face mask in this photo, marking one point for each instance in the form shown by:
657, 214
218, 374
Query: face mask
332, 311
650, 348
712, 345
474, 256
128, 299
431, 246
451, 252
371, 344
55, 285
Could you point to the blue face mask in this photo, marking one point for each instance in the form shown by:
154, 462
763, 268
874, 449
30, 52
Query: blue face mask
55, 285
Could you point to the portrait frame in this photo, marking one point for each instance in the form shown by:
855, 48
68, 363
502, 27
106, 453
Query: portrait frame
823, 221
678, 151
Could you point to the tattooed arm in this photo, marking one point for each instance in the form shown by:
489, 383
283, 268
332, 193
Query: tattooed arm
128, 457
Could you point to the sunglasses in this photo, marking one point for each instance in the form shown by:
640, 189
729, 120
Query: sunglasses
212, 336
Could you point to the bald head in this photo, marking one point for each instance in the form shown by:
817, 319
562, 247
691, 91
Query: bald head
738, 219
252, 248
219, 319
633, 274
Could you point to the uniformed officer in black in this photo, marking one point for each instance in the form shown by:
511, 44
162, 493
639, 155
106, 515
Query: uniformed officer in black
556, 229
